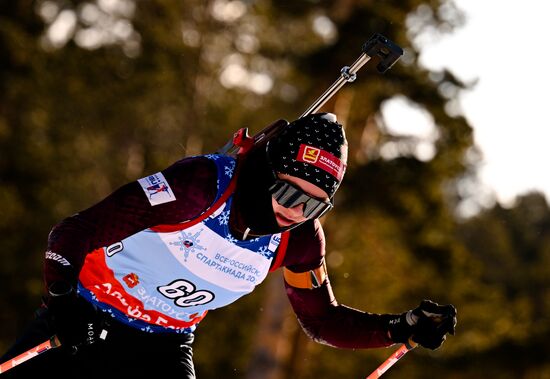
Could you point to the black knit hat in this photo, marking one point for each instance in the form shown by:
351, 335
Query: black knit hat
313, 148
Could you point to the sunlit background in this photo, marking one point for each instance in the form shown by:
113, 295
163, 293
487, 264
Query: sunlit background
498, 51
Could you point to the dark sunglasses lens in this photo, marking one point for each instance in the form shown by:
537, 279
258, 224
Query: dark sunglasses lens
315, 208
289, 196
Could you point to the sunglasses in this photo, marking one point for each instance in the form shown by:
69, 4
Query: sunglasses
290, 196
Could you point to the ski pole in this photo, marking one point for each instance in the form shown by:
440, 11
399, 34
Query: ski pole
52, 343
377, 45
397, 355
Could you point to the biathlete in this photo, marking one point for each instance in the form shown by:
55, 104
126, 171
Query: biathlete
129, 279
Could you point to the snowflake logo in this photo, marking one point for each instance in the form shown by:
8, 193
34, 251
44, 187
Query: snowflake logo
224, 218
229, 169
147, 329
188, 243
264, 252
230, 238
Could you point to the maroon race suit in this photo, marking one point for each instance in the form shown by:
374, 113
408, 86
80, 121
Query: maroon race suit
193, 182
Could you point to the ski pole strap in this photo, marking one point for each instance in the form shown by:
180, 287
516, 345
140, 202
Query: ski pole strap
52, 343
392, 359
376, 46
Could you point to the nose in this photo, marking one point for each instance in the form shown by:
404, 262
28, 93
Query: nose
296, 211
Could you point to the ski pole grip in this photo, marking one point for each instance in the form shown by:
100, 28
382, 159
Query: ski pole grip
388, 51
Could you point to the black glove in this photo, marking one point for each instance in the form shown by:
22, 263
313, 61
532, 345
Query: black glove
428, 324
77, 323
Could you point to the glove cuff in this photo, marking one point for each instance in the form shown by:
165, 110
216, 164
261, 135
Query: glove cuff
411, 318
60, 288
399, 326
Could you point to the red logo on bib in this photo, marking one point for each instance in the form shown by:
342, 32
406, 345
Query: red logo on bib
131, 280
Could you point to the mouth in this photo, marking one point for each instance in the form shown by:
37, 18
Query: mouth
283, 221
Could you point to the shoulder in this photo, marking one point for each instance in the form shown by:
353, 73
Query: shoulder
306, 247
193, 172
194, 182
202, 167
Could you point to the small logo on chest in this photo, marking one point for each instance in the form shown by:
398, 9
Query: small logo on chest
188, 243
131, 280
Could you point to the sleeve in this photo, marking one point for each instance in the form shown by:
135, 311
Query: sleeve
312, 298
126, 211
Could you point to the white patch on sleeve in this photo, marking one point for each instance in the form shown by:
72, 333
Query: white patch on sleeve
274, 242
157, 189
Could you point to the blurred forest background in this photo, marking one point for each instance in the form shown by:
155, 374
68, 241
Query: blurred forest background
97, 93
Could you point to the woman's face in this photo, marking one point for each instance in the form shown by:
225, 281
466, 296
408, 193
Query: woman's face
289, 216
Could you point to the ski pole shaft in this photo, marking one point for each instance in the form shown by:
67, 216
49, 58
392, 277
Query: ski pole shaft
377, 45
397, 355
52, 343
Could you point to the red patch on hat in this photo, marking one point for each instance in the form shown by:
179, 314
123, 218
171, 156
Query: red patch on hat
321, 159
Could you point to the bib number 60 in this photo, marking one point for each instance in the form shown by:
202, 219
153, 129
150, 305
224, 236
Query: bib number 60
185, 293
